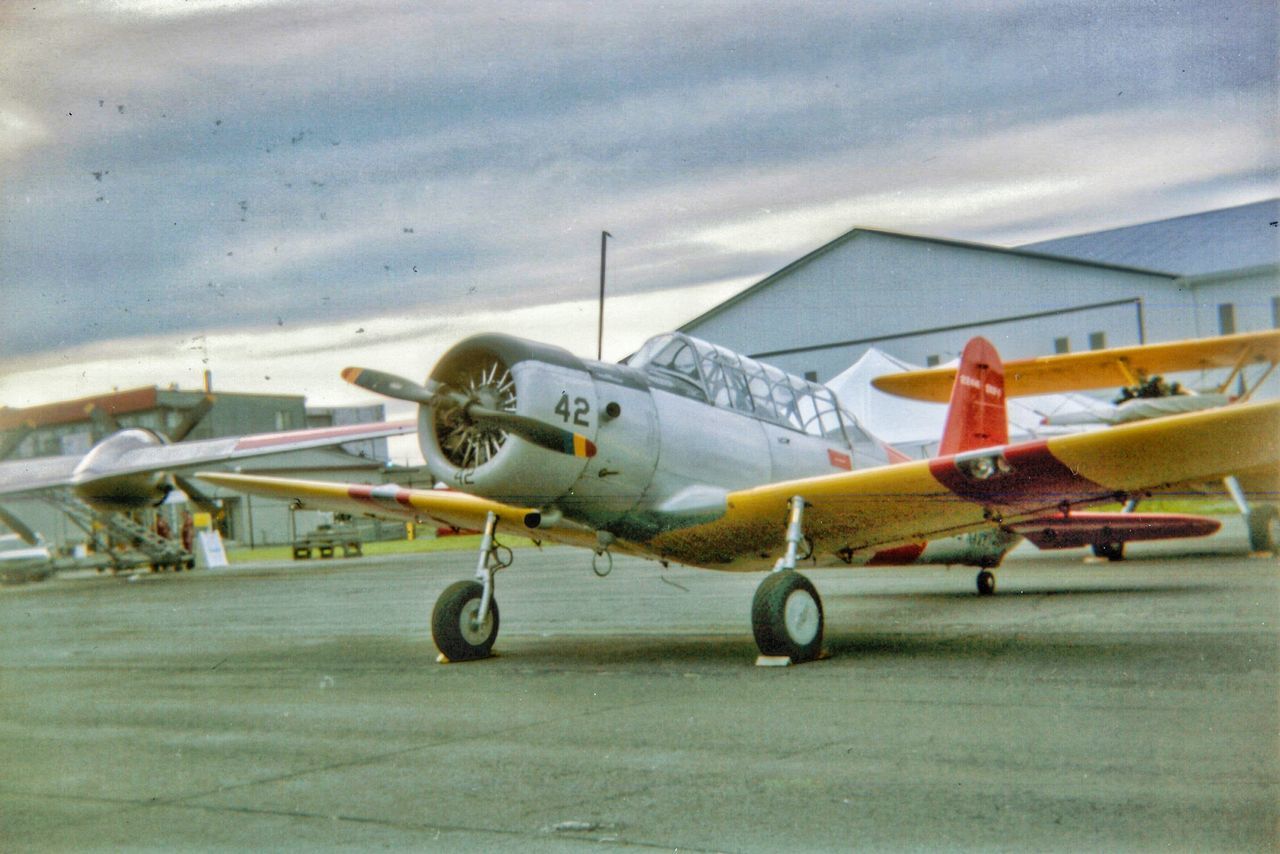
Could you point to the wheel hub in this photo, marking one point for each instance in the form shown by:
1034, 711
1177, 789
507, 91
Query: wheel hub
475, 632
800, 615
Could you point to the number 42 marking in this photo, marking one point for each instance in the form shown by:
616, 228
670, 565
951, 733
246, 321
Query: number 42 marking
580, 410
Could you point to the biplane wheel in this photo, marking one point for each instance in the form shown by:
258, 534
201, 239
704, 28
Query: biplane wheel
786, 616
1111, 551
986, 582
1264, 528
453, 625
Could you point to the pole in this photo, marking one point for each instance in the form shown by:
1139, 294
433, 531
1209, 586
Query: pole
604, 238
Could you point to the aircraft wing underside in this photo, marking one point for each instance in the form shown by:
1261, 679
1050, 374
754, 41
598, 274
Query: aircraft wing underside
37, 473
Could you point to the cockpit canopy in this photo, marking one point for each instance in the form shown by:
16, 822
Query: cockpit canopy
688, 366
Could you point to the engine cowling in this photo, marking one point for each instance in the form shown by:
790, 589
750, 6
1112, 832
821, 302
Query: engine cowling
534, 380
119, 492
607, 405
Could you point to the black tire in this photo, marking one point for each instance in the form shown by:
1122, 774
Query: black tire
986, 582
1111, 551
1264, 528
786, 616
451, 623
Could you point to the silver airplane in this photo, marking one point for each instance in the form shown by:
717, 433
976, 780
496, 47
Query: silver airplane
695, 454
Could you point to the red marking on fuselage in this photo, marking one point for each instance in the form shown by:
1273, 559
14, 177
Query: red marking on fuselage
839, 460
1035, 478
898, 555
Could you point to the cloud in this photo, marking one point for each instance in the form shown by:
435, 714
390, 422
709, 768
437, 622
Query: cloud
307, 359
196, 168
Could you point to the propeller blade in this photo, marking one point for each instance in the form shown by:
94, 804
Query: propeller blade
102, 419
13, 523
198, 497
14, 438
192, 419
433, 394
391, 385
539, 433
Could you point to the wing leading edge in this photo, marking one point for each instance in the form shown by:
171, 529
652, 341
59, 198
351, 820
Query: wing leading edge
39, 473
391, 501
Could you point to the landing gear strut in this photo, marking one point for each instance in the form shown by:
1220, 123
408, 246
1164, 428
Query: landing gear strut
464, 622
1262, 520
786, 612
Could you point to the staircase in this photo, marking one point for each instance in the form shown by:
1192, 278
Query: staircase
145, 546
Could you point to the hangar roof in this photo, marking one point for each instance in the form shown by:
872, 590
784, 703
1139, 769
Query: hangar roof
1209, 242
848, 236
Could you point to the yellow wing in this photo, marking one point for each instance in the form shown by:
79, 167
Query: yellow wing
1113, 368
872, 509
389, 501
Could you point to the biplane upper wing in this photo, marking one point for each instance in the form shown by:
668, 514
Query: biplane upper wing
391, 501
1112, 368
927, 499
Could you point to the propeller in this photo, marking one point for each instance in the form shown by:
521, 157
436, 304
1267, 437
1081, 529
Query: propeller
102, 419
193, 417
14, 438
436, 393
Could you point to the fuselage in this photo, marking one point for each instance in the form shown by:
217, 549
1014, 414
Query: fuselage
676, 429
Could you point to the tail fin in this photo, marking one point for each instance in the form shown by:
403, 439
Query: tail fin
976, 415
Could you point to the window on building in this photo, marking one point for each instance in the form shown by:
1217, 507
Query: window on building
1062, 345
1097, 340
1226, 318
932, 361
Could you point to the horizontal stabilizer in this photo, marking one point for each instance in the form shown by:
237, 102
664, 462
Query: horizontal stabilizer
1088, 529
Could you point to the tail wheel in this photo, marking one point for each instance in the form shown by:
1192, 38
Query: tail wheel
454, 627
1111, 551
786, 616
466, 444
986, 583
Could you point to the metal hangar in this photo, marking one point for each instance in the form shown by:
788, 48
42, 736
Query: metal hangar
920, 298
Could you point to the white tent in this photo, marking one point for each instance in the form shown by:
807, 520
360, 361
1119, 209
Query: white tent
915, 427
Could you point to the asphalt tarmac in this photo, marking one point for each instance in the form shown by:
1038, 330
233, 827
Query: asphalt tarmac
1085, 707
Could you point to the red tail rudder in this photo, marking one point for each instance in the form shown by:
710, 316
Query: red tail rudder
976, 416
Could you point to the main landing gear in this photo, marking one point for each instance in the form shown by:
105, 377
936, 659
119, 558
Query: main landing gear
464, 623
986, 583
1261, 520
786, 613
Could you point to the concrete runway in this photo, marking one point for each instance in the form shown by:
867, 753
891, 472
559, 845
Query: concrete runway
1085, 707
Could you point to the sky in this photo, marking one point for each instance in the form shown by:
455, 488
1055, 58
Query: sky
273, 190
